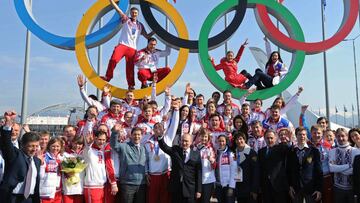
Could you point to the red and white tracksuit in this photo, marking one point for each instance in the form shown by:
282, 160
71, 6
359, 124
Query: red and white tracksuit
50, 179
215, 134
110, 120
276, 68
158, 167
192, 129
256, 143
132, 106
98, 172
258, 115
129, 38
230, 70
200, 112
101, 106
235, 109
147, 128
159, 163
73, 193
147, 62
86, 126
159, 114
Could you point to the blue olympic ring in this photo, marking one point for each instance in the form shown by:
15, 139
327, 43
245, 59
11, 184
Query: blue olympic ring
92, 40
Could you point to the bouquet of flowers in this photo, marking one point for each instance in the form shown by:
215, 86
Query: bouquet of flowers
72, 167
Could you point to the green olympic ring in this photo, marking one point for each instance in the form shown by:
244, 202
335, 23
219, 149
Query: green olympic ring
291, 25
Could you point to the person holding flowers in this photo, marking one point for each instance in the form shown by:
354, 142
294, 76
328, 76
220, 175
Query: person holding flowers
73, 167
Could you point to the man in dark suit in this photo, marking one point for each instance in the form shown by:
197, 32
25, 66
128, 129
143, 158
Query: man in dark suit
273, 177
185, 178
22, 167
356, 177
305, 170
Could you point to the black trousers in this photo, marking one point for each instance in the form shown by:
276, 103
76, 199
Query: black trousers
21, 199
270, 195
261, 80
133, 193
206, 192
223, 194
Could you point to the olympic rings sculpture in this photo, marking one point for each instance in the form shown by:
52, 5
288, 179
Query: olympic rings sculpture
84, 38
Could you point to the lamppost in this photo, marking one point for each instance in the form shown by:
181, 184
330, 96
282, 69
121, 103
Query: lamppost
356, 80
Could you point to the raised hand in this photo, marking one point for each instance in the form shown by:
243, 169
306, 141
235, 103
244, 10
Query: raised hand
167, 91
117, 128
304, 108
245, 43
165, 118
81, 81
300, 89
155, 78
188, 88
26, 128
107, 88
10, 117
175, 105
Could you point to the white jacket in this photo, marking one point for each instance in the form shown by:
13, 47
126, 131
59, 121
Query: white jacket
95, 172
50, 176
145, 59
226, 168
208, 169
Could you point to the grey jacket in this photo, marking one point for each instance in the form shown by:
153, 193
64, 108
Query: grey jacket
132, 162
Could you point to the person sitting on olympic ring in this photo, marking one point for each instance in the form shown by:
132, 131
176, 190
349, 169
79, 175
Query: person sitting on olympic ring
129, 38
147, 60
229, 65
275, 70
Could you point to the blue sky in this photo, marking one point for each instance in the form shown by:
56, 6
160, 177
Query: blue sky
53, 71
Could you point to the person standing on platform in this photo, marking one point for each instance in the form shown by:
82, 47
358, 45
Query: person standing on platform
129, 37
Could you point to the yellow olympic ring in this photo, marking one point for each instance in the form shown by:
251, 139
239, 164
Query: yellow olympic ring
88, 70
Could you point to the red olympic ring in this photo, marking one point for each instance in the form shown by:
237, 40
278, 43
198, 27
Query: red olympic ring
350, 17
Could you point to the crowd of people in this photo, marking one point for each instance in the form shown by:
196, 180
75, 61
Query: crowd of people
189, 150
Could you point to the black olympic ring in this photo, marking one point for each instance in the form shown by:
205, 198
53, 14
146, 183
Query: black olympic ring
193, 45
